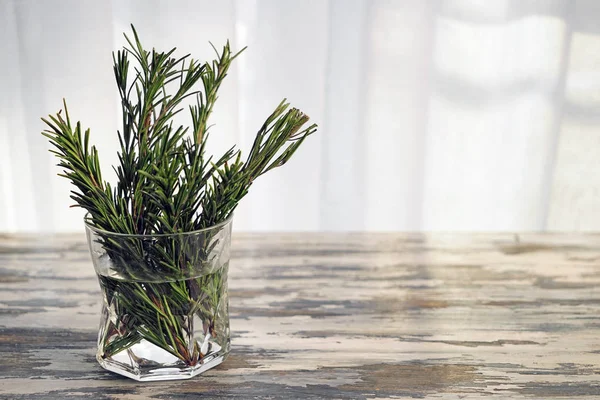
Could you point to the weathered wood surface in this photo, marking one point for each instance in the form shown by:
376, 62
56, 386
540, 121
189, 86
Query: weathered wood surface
344, 316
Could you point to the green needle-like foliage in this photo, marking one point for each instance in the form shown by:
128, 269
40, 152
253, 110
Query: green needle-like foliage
165, 181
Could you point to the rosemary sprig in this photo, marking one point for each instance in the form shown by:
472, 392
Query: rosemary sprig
166, 184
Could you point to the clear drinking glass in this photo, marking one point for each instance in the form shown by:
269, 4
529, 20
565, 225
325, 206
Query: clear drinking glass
165, 309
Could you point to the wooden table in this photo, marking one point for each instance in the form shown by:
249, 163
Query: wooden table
344, 316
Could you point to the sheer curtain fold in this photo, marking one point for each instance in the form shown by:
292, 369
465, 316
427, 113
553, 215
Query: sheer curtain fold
435, 115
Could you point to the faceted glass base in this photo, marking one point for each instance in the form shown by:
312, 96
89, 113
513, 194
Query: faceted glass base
147, 362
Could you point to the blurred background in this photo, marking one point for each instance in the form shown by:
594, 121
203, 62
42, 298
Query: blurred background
450, 115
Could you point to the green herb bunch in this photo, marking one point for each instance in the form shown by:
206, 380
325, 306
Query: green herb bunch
166, 184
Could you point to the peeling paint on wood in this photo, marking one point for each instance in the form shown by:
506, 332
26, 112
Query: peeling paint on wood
341, 316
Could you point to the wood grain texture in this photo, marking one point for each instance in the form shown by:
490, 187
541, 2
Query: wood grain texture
341, 316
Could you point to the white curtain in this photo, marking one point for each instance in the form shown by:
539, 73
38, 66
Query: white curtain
434, 115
